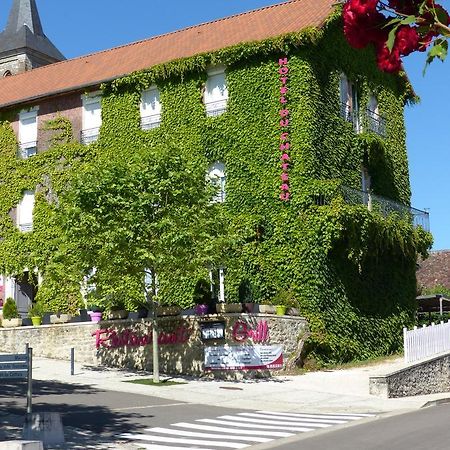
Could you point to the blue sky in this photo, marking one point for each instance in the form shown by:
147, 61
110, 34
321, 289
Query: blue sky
80, 27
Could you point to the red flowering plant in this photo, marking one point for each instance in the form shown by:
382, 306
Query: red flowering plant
397, 28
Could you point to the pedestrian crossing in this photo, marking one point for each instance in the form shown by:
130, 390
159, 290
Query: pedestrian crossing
236, 431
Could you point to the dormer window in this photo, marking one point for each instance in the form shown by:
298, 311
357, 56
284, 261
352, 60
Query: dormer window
217, 177
215, 96
28, 131
92, 118
25, 212
150, 109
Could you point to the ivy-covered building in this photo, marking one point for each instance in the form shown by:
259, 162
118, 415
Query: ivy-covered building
304, 138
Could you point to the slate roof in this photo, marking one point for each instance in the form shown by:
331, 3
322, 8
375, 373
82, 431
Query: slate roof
91, 70
435, 270
24, 31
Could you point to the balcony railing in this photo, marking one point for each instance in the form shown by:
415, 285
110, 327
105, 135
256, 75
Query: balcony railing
216, 108
149, 122
25, 227
370, 121
386, 207
27, 149
89, 136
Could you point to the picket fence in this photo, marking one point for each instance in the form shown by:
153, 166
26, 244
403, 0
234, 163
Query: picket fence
426, 341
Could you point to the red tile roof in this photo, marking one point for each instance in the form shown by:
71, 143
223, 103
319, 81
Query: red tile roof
435, 270
91, 70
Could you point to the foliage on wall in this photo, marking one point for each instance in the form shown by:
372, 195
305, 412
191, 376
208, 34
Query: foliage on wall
351, 270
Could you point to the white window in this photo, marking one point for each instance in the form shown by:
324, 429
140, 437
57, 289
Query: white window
25, 212
349, 102
217, 177
217, 280
216, 92
150, 109
92, 118
28, 131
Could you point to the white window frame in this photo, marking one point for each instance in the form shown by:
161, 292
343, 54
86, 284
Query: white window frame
25, 218
218, 178
150, 111
214, 98
90, 133
349, 102
28, 139
221, 276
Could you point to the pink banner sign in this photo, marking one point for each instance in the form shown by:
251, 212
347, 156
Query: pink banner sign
242, 331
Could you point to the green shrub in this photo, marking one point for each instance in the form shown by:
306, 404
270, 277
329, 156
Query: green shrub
10, 309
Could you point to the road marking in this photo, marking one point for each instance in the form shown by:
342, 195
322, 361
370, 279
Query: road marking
170, 440
255, 425
148, 407
207, 435
276, 423
324, 416
164, 447
196, 426
275, 419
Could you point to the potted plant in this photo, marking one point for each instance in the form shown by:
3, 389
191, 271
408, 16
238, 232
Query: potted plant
35, 313
117, 310
11, 316
283, 300
202, 297
96, 313
60, 317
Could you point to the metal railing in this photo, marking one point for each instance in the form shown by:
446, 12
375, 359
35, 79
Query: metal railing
89, 136
150, 122
27, 149
369, 121
386, 207
216, 108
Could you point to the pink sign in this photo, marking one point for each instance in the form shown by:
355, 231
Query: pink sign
243, 331
112, 339
285, 145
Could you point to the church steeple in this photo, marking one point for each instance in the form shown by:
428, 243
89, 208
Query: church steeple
23, 44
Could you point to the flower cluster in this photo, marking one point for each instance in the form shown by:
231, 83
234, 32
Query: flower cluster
412, 23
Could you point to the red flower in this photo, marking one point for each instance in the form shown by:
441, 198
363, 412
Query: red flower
406, 40
362, 7
389, 61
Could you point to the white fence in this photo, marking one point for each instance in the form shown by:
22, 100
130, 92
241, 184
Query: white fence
423, 342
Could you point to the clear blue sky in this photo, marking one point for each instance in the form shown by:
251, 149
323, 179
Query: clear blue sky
82, 26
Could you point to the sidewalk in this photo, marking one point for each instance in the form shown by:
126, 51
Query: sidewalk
326, 391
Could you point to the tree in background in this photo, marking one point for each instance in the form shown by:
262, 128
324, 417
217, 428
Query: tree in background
397, 28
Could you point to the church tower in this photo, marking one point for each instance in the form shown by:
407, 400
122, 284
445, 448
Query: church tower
23, 44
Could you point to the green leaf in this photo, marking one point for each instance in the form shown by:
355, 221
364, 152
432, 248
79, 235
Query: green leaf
391, 38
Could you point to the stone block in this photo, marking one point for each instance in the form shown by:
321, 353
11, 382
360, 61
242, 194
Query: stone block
21, 445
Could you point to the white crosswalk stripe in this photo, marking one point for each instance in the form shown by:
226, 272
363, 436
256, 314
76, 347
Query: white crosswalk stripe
237, 431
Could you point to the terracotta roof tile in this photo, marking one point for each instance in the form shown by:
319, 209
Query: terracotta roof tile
93, 69
435, 270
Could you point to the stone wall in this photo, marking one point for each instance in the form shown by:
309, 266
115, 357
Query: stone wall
127, 343
431, 376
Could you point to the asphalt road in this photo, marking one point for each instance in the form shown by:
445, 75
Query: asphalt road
425, 429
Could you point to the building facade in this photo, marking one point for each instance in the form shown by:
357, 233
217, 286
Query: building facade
305, 142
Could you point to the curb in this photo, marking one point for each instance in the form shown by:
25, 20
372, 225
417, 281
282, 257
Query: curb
440, 401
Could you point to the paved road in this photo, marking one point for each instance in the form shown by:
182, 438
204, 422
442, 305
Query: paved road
426, 429
105, 419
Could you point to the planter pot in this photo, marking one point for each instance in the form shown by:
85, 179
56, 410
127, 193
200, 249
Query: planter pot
96, 316
250, 308
293, 312
201, 310
168, 311
267, 309
36, 321
117, 315
280, 310
60, 318
228, 307
11, 323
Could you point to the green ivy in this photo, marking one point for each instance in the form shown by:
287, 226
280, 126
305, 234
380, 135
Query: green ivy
352, 271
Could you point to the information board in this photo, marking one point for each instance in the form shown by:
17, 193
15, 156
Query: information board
234, 357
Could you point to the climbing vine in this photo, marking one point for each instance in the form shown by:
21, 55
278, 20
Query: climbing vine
352, 271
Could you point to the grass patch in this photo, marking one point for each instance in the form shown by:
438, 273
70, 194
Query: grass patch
150, 382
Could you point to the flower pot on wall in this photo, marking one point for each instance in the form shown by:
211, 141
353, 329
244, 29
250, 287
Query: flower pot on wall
249, 307
168, 310
96, 316
266, 309
60, 318
228, 307
201, 309
280, 310
36, 321
11, 323
117, 314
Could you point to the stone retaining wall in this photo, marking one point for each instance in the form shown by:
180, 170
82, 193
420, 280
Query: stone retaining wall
127, 343
431, 376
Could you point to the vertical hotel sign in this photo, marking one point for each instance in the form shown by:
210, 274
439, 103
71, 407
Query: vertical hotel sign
285, 145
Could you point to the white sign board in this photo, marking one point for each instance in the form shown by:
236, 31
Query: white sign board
244, 357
